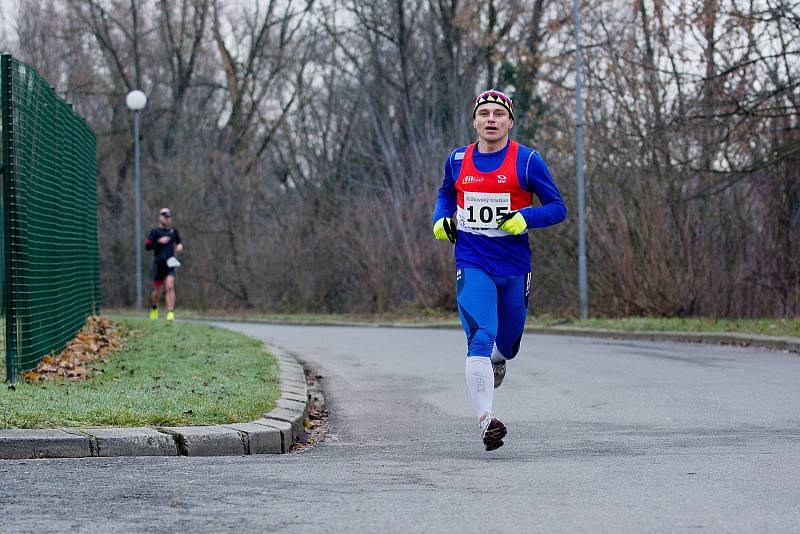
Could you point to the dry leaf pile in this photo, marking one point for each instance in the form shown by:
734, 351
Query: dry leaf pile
317, 425
96, 340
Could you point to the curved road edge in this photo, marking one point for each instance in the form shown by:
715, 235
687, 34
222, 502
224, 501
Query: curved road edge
273, 433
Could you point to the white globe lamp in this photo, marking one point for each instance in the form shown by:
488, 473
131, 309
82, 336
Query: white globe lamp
136, 100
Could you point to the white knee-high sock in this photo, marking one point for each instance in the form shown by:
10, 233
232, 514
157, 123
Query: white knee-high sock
480, 383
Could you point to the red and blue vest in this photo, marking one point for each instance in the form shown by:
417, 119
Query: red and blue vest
483, 197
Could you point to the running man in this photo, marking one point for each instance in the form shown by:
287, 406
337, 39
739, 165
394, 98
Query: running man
489, 187
165, 242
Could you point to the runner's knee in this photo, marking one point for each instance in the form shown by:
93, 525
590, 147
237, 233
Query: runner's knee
509, 347
481, 341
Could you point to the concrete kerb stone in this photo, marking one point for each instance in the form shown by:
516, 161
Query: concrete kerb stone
300, 407
131, 442
297, 397
216, 440
293, 417
43, 443
294, 390
284, 429
260, 439
292, 377
291, 404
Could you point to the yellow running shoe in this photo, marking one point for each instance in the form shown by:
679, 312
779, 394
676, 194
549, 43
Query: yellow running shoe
153, 314
170, 316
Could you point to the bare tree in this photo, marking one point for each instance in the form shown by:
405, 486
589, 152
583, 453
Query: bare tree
301, 144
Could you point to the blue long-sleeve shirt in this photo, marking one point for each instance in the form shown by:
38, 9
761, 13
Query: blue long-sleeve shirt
506, 255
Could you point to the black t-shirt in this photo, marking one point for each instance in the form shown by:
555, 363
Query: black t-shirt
163, 252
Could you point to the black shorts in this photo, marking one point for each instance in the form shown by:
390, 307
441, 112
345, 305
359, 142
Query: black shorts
161, 271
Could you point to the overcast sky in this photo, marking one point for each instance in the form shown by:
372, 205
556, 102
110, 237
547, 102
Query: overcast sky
8, 13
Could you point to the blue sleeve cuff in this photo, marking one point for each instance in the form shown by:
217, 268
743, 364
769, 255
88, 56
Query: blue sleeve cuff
544, 216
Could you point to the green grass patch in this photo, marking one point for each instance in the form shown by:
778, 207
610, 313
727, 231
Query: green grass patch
771, 327
166, 374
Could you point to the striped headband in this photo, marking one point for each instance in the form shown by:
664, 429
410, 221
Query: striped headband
494, 97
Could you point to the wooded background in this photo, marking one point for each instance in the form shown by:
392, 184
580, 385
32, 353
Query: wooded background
301, 143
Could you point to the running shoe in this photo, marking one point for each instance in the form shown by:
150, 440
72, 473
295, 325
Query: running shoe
492, 431
153, 314
170, 316
499, 370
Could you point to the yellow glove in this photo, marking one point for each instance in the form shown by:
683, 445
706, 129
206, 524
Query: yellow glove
513, 223
445, 228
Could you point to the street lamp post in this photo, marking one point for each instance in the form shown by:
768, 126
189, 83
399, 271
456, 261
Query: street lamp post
136, 101
582, 283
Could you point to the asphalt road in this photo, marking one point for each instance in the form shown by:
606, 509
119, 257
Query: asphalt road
604, 436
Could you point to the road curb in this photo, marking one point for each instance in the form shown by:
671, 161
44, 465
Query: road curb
791, 344
272, 433
141, 441
43, 443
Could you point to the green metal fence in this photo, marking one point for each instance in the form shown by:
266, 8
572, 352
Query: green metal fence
50, 276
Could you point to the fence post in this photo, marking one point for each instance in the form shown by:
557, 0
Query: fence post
9, 218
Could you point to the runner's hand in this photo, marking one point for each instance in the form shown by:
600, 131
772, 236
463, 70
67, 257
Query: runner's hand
164, 240
513, 223
445, 228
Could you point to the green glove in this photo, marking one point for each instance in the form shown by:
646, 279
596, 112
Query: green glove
513, 223
445, 228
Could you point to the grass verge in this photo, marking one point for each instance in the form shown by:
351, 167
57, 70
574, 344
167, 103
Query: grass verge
770, 327
166, 374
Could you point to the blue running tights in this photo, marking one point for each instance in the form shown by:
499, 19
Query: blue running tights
492, 310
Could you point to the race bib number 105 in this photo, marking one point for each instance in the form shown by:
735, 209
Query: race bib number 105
481, 210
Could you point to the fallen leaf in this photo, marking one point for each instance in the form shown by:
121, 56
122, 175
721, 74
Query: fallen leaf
31, 376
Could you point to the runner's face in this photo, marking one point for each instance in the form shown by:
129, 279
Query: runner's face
492, 122
164, 220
